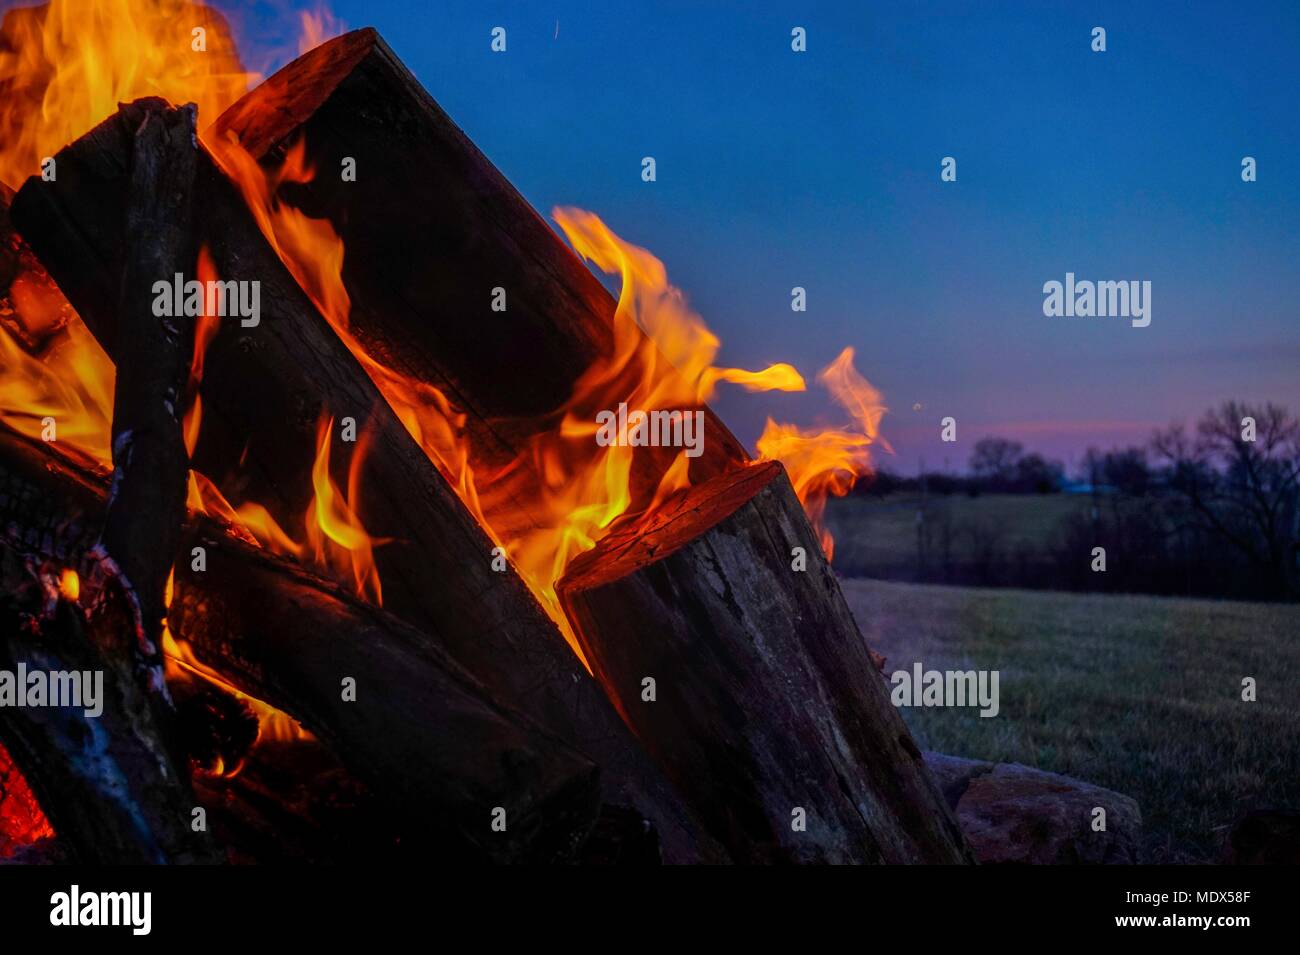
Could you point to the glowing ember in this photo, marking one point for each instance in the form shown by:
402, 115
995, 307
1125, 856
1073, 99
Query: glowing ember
69, 585
21, 819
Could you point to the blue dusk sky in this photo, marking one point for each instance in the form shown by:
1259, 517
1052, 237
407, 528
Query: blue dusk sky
822, 170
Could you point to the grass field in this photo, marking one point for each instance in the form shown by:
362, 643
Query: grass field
1138, 694
878, 536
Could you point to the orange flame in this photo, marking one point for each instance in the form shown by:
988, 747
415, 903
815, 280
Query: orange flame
309, 248
335, 534
822, 463
661, 359
180, 664
317, 27
671, 365
335, 539
205, 329
65, 66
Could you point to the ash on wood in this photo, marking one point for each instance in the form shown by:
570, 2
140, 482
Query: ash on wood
431, 227
767, 709
265, 388
421, 733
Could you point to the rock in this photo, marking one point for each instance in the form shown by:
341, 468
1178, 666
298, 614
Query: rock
1265, 837
1015, 814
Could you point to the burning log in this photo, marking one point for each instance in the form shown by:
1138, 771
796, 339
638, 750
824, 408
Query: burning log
265, 387
431, 228
766, 709
420, 732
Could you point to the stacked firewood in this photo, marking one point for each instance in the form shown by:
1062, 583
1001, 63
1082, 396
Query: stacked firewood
731, 714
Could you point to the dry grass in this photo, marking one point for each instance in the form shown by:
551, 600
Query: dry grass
1138, 694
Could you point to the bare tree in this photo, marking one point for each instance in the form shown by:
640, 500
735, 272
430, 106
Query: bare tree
994, 459
1242, 491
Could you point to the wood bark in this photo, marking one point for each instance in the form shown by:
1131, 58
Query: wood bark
264, 389
431, 227
767, 710
421, 732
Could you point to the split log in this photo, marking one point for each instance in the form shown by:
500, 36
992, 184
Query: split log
264, 389
431, 227
147, 502
421, 732
766, 702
